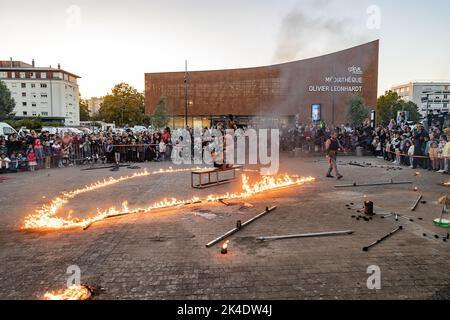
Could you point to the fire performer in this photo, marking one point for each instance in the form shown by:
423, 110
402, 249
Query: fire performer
332, 146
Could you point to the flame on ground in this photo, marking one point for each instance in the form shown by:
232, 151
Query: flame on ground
46, 217
71, 293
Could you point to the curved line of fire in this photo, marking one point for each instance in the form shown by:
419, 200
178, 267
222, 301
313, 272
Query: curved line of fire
46, 218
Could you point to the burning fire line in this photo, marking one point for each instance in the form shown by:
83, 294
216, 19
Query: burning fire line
46, 217
71, 293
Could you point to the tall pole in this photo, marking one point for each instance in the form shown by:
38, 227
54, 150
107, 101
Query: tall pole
186, 94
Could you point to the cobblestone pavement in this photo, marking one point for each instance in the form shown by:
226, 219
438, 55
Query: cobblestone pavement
162, 255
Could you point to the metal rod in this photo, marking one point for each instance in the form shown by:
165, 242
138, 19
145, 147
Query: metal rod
307, 235
382, 239
372, 184
232, 231
413, 208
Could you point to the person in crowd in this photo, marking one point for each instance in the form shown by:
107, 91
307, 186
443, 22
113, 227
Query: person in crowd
31, 158
433, 154
39, 151
47, 154
332, 146
4, 163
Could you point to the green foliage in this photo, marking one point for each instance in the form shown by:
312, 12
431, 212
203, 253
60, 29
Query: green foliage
124, 106
357, 112
390, 103
29, 123
7, 103
84, 110
32, 123
160, 117
413, 110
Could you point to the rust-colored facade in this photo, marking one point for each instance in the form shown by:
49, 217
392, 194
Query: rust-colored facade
282, 92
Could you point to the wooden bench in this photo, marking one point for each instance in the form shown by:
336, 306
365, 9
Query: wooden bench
212, 171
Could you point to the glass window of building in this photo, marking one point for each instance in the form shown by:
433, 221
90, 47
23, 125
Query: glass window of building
23, 85
3, 74
24, 94
43, 75
22, 75
24, 113
24, 104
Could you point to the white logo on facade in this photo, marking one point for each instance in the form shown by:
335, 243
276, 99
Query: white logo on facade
355, 70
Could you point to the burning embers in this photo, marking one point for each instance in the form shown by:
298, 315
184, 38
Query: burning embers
72, 293
46, 218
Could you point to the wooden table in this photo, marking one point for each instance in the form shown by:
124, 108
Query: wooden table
215, 172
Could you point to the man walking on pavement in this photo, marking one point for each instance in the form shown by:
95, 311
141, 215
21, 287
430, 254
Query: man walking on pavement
332, 147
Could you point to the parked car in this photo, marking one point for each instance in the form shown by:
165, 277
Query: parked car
6, 129
139, 129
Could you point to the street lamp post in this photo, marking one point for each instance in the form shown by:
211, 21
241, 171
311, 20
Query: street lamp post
186, 94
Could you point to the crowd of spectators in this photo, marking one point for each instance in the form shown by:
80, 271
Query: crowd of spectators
44, 150
398, 142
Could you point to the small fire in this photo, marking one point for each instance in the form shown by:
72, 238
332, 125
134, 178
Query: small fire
46, 218
224, 249
72, 293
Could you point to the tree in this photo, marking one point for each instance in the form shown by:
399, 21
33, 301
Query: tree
412, 109
124, 106
389, 104
357, 111
7, 103
160, 116
84, 110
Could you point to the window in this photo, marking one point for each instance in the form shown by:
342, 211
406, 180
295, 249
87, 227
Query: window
43, 75
24, 113
44, 113
33, 75
57, 75
43, 95
34, 113
22, 75
14, 85
24, 104
43, 85
33, 95
7, 130
24, 94
3, 74
13, 74
24, 85
33, 104
33, 85
445, 106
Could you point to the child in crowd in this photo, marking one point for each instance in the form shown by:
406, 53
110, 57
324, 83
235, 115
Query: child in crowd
411, 155
39, 151
47, 154
31, 158
14, 165
441, 145
57, 154
4, 163
433, 154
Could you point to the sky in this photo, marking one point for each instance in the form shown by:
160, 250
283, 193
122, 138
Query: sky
108, 42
